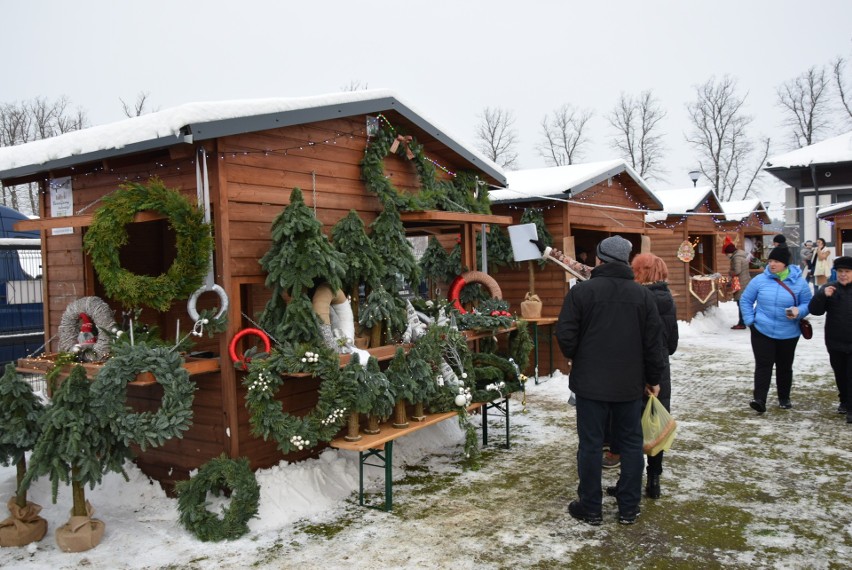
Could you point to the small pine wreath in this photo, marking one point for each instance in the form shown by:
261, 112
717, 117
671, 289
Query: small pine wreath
107, 234
146, 428
216, 476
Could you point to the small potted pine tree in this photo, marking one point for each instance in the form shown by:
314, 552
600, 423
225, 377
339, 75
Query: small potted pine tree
76, 446
20, 410
363, 264
397, 255
299, 258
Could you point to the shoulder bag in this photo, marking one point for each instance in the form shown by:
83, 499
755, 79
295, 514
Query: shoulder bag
804, 325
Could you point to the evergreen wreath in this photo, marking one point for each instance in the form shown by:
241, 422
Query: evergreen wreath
107, 234
460, 195
266, 414
215, 476
146, 428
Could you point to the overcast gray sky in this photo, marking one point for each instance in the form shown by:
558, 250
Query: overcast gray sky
449, 60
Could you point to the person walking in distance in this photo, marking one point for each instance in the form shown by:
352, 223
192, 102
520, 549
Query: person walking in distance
739, 274
610, 327
772, 305
835, 301
822, 262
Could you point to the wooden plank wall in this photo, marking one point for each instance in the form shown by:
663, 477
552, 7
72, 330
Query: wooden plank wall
251, 178
680, 273
550, 280
256, 189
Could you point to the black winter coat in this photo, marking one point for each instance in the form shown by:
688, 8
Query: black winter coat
611, 328
838, 322
668, 314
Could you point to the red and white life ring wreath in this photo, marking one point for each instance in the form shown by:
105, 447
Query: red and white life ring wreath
242, 360
472, 277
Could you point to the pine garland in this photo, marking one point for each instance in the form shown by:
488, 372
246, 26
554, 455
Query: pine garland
107, 234
460, 195
215, 476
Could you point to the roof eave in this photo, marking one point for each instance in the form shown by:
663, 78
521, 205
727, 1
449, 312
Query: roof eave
585, 185
226, 127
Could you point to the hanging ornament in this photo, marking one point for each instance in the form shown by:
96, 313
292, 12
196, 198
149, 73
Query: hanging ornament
686, 251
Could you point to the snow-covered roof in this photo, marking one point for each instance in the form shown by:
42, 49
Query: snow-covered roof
680, 201
556, 181
738, 210
193, 122
826, 211
835, 149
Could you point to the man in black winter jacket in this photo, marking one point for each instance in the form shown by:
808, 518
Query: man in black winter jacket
834, 299
611, 329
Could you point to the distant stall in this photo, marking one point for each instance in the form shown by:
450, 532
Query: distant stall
580, 205
690, 249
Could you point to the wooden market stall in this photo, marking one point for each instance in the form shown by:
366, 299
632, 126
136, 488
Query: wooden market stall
580, 205
691, 250
251, 154
744, 223
840, 216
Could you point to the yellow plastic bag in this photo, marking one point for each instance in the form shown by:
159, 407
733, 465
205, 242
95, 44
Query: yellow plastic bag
658, 427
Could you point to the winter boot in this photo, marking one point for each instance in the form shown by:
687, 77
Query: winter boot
652, 488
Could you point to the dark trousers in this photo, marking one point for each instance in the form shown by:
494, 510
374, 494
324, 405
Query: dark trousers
769, 353
841, 363
655, 462
591, 425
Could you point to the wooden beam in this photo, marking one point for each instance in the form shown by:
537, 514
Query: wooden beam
77, 221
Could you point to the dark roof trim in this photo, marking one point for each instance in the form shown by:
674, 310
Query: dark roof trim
226, 127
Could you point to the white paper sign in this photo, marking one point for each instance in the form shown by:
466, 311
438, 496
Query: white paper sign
61, 202
520, 236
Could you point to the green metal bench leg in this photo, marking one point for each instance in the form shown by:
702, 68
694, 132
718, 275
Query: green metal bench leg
485, 425
503, 408
387, 463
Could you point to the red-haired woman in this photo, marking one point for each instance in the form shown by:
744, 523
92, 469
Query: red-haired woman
652, 272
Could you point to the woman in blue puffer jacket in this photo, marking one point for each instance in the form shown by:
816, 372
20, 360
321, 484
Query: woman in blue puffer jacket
772, 311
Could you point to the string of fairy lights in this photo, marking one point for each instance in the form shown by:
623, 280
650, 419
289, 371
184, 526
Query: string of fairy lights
178, 166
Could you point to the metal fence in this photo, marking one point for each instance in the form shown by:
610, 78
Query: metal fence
21, 308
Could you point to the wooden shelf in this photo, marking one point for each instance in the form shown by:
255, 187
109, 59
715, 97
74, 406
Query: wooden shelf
44, 364
390, 433
437, 221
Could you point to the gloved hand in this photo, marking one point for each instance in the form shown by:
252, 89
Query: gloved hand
539, 244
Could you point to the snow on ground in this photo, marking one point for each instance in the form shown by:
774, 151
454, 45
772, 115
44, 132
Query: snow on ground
740, 490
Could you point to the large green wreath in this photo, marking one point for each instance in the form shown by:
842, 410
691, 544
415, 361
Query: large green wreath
215, 476
146, 428
107, 235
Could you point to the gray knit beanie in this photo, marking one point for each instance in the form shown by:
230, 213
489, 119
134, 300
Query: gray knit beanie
614, 248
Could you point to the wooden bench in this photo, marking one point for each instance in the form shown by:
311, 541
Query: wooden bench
380, 445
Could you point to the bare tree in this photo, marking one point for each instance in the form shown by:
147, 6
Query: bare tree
562, 135
843, 87
638, 138
138, 108
719, 135
805, 104
32, 120
496, 138
354, 85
